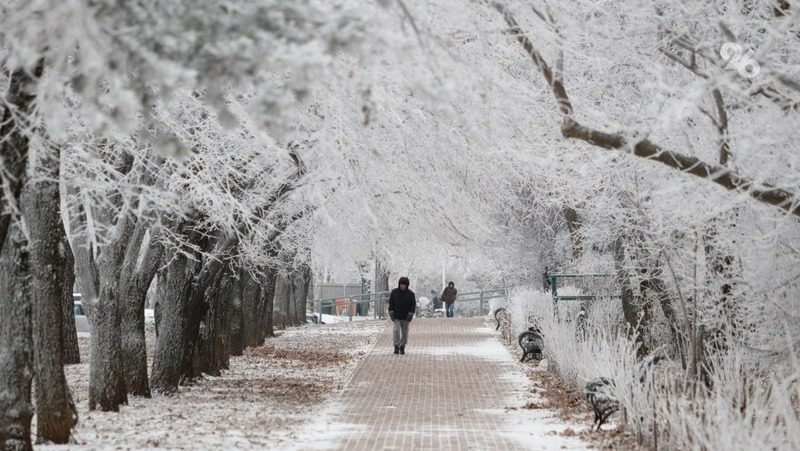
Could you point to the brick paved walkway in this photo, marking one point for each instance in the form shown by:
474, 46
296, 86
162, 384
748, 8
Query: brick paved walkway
451, 391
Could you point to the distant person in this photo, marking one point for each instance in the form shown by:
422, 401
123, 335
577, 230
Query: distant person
437, 301
449, 298
402, 306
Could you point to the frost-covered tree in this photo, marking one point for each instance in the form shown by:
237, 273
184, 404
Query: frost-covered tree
105, 66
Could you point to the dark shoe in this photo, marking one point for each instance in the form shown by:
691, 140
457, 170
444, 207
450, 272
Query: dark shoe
397, 349
402, 350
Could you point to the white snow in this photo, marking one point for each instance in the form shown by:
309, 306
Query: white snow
259, 403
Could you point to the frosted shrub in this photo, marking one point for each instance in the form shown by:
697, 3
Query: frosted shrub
751, 404
743, 409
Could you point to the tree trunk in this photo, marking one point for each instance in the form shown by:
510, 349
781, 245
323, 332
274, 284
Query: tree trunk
86, 272
630, 309
51, 281
381, 277
16, 344
72, 353
134, 289
381, 285
251, 295
106, 373
293, 283
282, 301
182, 314
302, 286
574, 228
237, 317
98, 278
283, 291
205, 288
204, 291
654, 284
266, 325
222, 325
174, 287
215, 341
724, 274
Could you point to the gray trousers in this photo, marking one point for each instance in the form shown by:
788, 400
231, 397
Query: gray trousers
400, 332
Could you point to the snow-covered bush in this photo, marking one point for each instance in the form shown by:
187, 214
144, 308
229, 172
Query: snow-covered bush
752, 403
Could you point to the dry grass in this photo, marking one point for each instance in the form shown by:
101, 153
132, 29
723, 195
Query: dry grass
309, 357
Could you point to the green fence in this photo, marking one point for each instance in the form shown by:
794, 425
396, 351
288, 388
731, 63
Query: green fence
583, 287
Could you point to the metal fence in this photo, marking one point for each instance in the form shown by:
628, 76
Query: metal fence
374, 305
583, 287
334, 290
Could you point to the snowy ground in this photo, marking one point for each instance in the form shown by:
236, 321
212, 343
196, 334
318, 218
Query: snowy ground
266, 395
549, 395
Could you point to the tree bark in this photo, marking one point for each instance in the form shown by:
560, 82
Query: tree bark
204, 289
381, 285
141, 270
294, 285
574, 228
98, 279
302, 282
174, 286
630, 310
14, 142
182, 310
654, 285
724, 274
72, 353
623, 280
222, 325
107, 388
106, 373
103, 288
215, 341
16, 344
252, 308
266, 325
282, 301
86, 273
237, 317
51, 281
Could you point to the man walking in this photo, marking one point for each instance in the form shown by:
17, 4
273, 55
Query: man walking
402, 305
449, 298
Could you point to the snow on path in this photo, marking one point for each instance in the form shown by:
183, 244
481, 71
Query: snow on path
456, 388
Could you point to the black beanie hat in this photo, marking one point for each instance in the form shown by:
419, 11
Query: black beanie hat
404, 281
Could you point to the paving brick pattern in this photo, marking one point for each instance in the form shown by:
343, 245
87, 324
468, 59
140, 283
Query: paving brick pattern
449, 392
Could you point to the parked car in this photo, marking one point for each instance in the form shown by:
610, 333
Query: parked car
81, 322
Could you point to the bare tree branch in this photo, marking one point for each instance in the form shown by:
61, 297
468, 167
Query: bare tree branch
570, 128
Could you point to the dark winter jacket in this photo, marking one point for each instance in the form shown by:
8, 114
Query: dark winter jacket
401, 303
449, 295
